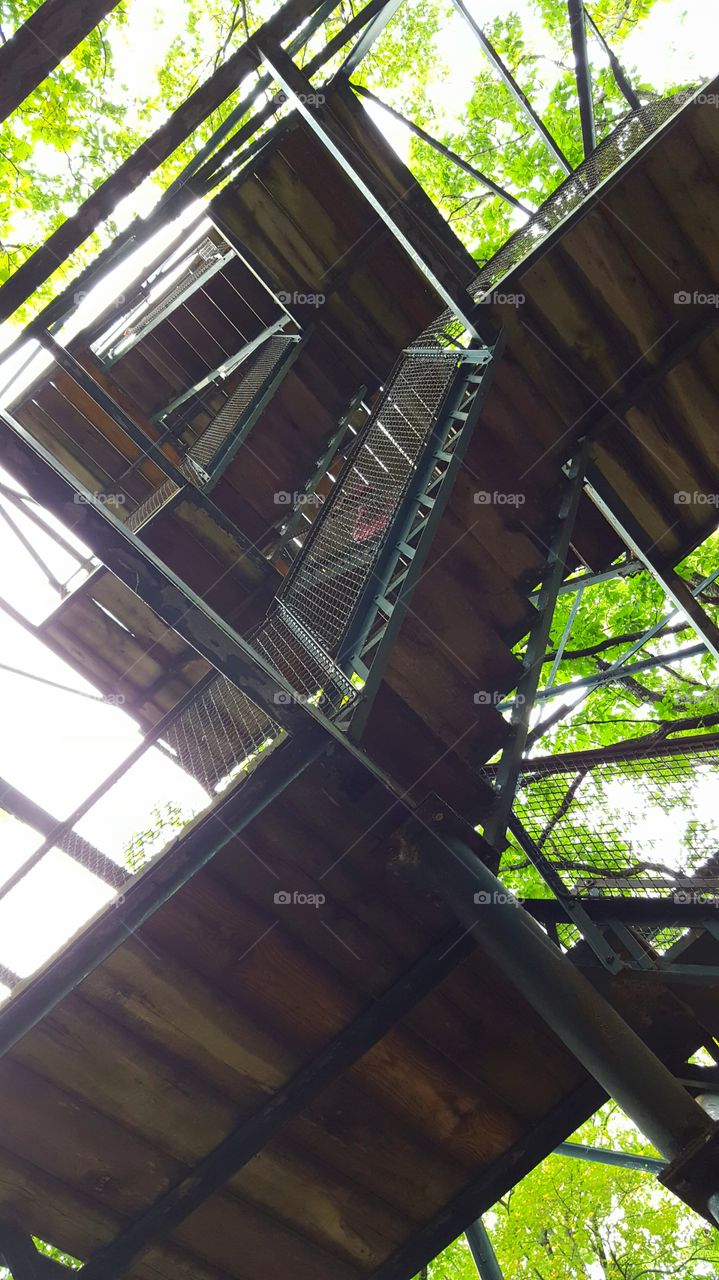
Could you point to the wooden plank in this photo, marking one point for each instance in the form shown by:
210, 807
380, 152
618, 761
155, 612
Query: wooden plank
147, 158
41, 43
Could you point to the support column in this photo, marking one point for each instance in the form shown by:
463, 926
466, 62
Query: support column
587, 1024
583, 74
480, 1245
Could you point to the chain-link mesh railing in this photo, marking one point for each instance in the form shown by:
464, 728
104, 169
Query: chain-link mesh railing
614, 151
212, 740
328, 579
627, 821
258, 372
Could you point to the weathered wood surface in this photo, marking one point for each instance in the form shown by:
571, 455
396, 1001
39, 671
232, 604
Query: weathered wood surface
218, 998
41, 43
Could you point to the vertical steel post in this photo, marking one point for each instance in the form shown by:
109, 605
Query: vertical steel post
510, 764
583, 74
480, 1246
584, 1021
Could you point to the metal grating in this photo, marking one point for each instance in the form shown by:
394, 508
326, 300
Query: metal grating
624, 822
258, 370
614, 151
220, 731
327, 581
151, 505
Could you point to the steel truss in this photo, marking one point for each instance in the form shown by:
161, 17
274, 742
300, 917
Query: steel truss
668, 1115
382, 608
608, 931
222, 153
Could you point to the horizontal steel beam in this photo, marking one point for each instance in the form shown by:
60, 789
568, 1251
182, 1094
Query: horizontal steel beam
77, 848
619, 1159
649, 912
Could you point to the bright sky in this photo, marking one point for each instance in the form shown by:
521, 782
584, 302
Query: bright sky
57, 745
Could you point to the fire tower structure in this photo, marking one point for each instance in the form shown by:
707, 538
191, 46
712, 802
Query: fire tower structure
328, 475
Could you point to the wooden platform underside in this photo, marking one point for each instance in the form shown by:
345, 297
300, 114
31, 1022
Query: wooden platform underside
224, 993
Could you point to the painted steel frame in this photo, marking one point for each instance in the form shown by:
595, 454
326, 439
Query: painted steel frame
509, 768
622, 520
517, 93
578, 29
588, 1025
298, 89
254, 411
389, 592
619, 1159
483, 1255
443, 150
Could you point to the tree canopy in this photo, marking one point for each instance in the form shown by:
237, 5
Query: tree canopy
567, 1220
101, 102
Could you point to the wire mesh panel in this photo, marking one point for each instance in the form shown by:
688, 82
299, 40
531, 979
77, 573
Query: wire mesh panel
628, 136
622, 822
221, 730
328, 579
153, 503
291, 649
258, 370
